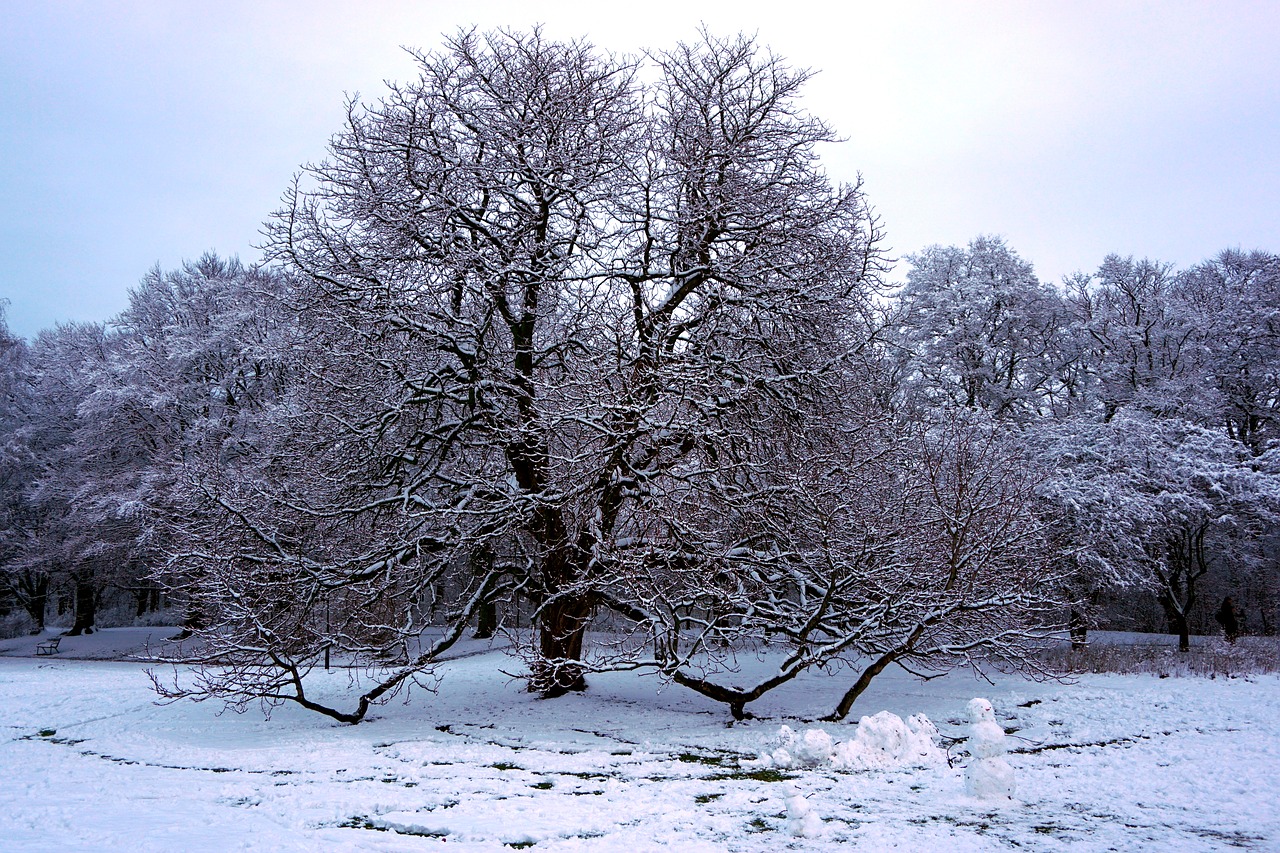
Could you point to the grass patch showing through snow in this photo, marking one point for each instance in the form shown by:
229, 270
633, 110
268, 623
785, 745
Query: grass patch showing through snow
362, 822
766, 775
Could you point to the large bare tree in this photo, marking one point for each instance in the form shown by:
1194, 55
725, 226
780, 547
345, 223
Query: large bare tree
545, 287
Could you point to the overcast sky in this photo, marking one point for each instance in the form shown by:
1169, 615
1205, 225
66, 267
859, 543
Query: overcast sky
136, 133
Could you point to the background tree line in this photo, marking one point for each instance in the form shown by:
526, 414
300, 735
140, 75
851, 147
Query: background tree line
565, 340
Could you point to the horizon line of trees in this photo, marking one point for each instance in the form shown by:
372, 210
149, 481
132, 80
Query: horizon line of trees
587, 340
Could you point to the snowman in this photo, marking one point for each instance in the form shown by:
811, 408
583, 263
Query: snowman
988, 776
802, 820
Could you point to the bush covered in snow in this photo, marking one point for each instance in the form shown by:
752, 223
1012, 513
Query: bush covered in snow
15, 624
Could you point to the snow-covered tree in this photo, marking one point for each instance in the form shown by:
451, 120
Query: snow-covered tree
64, 541
544, 293
196, 360
20, 581
977, 330
1146, 348
599, 331
1156, 501
1234, 301
1191, 348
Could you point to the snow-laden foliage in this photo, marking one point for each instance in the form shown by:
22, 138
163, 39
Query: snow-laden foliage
1154, 500
1135, 363
20, 581
1235, 300
63, 535
978, 330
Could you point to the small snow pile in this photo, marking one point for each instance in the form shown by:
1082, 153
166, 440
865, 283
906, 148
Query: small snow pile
882, 742
885, 741
789, 750
802, 820
988, 776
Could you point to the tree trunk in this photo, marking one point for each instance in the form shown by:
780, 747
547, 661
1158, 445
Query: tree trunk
1078, 628
562, 615
1187, 563
86, 608
562, 626
1184, 635
148, 600
1177, 620
863, 682
33, 592
35, 607
487, 618
486, 621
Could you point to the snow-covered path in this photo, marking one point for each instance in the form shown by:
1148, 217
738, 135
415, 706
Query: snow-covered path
88, 762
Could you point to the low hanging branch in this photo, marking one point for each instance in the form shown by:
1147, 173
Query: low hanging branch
244, 674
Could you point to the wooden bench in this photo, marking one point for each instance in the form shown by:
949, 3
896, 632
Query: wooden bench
48, 647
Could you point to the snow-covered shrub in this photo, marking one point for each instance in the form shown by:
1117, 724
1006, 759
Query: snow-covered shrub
158, 618
120, 610
15, 624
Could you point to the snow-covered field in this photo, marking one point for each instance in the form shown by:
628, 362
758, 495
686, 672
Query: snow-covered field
89, 762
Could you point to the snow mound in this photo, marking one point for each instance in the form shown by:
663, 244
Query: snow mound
882, 742
885, 741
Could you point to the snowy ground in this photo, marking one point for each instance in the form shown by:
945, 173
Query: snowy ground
89, 762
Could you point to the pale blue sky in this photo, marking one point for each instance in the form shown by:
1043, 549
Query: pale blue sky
133, 133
